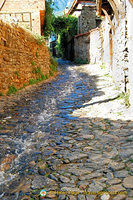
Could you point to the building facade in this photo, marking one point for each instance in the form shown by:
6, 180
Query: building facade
85, 11
26, 13
114, 41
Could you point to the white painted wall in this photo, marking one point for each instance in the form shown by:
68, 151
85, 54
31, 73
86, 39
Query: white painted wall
130, 47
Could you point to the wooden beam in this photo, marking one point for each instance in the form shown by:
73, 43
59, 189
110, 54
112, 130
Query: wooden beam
120, 8
131, 1
108, 17
99, 7
2, 4
114, 9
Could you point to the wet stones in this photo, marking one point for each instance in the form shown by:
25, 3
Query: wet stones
65, 154
128, 182
114, 166
116, 188
75, 156
64, 179
6, 162
41, 181
121, 174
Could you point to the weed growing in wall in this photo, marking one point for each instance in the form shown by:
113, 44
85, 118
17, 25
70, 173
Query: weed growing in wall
125, 97
12, 90
102, 66
1, 94
39, 39
17, 74
33, 81
33, 63
108, 75
37, 71
53, 64
37, 55
41, 78
51, 73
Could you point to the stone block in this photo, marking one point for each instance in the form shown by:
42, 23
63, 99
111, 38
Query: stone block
26, 17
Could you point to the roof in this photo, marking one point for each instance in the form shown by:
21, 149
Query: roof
2, 3
106, 5
76, 2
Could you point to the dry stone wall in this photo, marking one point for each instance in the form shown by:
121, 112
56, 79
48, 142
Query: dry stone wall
20, 54
82, 47
87, 19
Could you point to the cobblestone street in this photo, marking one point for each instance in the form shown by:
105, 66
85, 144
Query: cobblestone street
72, 137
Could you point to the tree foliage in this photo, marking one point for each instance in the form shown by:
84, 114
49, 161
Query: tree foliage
63, 24
49, 18
65, 28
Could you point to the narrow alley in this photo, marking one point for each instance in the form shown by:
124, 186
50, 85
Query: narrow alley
59, 138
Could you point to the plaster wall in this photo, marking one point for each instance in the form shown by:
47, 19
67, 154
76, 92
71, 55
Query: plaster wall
119, 55
96, 46
130, 47
105, 28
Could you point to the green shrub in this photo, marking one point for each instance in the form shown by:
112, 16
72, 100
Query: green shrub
12, 90
81, 61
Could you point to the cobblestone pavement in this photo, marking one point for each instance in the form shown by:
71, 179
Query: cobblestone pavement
71, 137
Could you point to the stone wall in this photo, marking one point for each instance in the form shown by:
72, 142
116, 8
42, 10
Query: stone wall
28, 13
87, 19
96, 42
20, 53
82, 46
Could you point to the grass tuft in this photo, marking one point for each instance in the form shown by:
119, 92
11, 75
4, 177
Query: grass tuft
12, 90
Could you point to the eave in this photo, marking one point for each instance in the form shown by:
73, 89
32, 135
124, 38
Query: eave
75, 4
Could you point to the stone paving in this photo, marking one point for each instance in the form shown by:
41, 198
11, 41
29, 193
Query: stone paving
71, 137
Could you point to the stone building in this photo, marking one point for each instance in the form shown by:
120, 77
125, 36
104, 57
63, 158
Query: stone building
85, 11
113, 41
27, 13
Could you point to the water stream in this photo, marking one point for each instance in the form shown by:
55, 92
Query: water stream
46, 114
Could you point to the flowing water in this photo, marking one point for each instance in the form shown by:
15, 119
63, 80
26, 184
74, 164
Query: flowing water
46, 114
